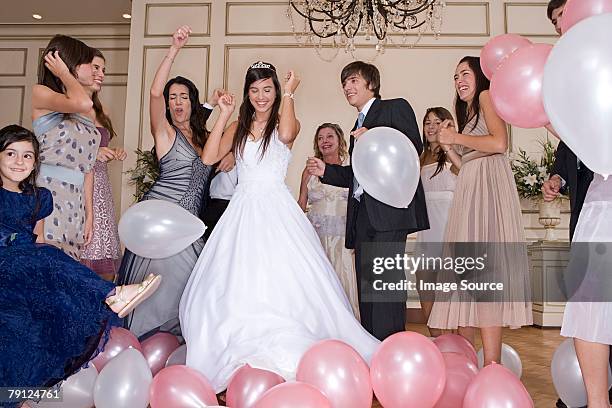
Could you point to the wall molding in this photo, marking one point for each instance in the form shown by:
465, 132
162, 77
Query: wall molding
24, 65
22, 101
150, 6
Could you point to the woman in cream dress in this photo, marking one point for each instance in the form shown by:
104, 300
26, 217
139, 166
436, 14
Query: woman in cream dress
326, 208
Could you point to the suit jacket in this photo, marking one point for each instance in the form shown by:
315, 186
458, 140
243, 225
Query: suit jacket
397, 114
576, 181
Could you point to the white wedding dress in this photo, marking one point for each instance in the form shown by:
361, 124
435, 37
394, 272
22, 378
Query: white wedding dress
263, 290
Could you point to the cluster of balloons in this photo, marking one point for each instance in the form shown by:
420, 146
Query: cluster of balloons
567, 86
406, 367
131, 374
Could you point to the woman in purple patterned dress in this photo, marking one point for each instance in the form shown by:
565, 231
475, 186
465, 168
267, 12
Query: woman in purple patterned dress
103, 254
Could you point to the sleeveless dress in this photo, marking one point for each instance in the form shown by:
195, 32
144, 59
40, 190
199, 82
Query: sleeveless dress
182, 180
52, 308
486, 211
438, 197
103, 254
327, 213
68, 148
263, 290
592, 320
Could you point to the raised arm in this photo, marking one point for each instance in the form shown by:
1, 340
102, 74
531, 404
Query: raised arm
160, 127
289, 126
74, 100
219, 143
495, 142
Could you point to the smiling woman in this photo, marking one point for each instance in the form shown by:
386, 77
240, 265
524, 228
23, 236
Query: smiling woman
178, 125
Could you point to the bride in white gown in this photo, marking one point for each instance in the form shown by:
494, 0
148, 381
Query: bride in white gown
263, 290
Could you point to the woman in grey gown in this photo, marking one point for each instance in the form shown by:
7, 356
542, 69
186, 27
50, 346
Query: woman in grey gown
178, 125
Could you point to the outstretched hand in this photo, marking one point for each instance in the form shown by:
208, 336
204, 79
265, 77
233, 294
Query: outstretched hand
315, 166
447, 133
213, 100
180, 36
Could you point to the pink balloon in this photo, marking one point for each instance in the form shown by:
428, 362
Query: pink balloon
497, 49
454, 343
407, 368
157, 348
181, 386
339, 372
120, 339
248, 384
516, 87
578, 10
460, 372
293, 395
496, 386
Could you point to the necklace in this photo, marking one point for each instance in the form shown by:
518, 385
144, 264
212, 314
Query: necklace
256, 129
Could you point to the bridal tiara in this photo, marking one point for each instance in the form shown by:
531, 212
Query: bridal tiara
262, 65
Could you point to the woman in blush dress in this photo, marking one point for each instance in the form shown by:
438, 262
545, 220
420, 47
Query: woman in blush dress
103, 253
325, 207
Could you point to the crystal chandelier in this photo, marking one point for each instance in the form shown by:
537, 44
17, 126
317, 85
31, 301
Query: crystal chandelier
336, 23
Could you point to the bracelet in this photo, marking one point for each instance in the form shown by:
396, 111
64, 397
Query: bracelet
289, 94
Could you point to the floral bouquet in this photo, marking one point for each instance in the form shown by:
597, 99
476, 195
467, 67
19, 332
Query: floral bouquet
530, 175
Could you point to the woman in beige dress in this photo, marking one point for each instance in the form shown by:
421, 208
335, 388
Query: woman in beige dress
326, 208
485, 209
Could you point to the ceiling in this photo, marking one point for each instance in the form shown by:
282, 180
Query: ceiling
64, 11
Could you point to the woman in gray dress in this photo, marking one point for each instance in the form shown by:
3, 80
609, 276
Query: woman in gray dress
178, 125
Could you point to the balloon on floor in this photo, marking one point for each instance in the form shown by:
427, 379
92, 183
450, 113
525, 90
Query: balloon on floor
567, 376
509, 359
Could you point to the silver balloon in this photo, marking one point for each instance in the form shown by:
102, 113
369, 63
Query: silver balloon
178, 356
567, 376
124, 382
509, 359
158, 229
77, 391
386, 164
576, 90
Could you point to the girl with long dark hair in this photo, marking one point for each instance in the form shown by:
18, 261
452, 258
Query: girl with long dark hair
178, 125
485, 210
68, 140
263, 290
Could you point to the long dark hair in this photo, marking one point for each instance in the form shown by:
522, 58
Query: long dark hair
12, 134
463, 112
101, 117
442, 114
72, 51
197, 121
258, 71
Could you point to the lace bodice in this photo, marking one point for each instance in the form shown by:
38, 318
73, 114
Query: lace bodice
271, 168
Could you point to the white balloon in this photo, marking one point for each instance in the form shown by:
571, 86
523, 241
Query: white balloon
178, 356
576, 90
509, 359
124, 382
567, 376
159, 229
77, 390
386, 164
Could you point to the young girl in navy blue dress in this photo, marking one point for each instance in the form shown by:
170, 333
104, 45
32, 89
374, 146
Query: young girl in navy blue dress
53, 310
